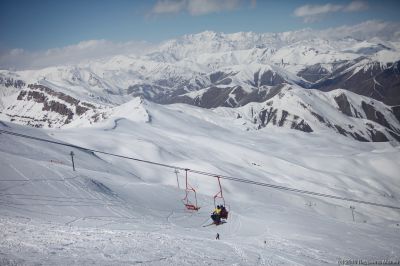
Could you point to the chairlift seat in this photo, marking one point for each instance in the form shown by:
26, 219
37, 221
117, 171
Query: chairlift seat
192, 207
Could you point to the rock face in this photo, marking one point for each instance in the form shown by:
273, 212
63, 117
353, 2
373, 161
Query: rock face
313, 73
310, 111
214, 96
344, 106
39, 106
11, 82
271, 116
372, 79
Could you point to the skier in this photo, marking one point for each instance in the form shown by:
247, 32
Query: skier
217, 237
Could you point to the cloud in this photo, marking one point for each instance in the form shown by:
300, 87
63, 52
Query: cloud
169, 6
16, 51
388, 31
196, 7
312, 13
72, 54
356, 6
202, 7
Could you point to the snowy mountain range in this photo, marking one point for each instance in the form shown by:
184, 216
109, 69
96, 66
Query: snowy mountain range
299, 80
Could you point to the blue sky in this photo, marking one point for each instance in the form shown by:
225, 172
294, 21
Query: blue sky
43, 24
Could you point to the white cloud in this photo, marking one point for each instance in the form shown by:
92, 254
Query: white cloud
356, 6
202, 7
16, 51
169, 6
85, 50
312, 10
196, 7
312, 13
366, 30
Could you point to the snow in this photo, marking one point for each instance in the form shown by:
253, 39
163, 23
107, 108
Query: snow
387, 56
113, 211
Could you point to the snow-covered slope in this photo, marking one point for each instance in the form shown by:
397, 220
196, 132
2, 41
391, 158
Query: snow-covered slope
113, 211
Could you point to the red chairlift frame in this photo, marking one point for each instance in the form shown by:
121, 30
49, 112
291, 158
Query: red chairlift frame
188, 189
219, 194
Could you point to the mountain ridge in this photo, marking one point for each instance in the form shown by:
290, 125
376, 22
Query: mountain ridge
212, 70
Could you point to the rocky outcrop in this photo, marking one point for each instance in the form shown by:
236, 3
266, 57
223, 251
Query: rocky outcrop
370, 112
64, 106
373, 79
267, 78
313, 73
10, 82
396, 112
374, 115
313, 111
226, 97
59, 95
280, 118
344, 105
221, 78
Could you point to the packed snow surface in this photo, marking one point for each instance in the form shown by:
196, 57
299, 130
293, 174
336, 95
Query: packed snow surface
114, 211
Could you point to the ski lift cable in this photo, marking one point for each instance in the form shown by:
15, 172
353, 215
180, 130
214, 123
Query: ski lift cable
231, 178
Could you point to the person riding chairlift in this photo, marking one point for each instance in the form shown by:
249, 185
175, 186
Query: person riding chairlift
223, 213
216, 215
219, 213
